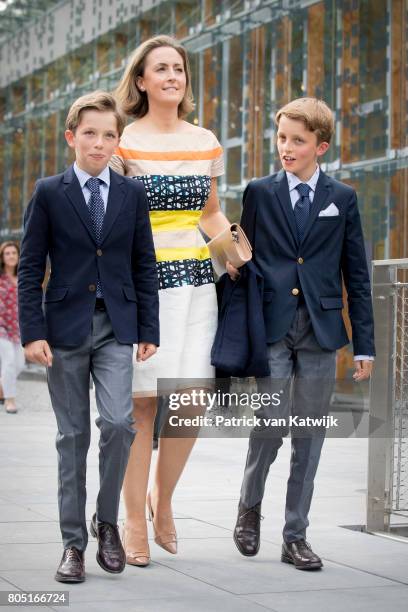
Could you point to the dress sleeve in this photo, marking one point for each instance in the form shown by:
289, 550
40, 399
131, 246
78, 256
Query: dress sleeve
217, 164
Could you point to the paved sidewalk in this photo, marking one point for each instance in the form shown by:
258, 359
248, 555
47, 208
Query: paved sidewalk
361, 573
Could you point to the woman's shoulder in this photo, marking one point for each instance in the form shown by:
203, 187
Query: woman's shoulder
197, 131
128, 133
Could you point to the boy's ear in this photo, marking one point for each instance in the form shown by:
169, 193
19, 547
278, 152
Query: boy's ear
322, 148
70, 138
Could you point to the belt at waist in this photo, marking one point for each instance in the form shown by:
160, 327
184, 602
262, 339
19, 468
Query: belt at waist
301, 300
100, 304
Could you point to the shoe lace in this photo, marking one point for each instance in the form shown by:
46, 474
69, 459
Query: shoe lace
111, 536
304, 544
72, 554
252, 514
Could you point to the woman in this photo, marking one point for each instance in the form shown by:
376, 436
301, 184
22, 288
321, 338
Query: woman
11, 351
178, 164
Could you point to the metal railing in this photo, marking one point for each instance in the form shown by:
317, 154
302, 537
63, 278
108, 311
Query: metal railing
387, 491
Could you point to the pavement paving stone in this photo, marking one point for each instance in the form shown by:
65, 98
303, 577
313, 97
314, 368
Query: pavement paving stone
373, 599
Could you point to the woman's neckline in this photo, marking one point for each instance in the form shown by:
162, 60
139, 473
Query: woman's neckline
194, 129
162, 133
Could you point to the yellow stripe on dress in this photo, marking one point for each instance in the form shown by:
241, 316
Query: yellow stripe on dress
177, 254
169, 155
171, 220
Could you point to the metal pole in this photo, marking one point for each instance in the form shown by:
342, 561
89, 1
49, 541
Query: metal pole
381, 400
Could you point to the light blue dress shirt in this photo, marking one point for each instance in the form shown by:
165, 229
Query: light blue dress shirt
83, 176
294, 181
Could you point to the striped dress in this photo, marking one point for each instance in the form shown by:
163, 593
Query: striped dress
176, 170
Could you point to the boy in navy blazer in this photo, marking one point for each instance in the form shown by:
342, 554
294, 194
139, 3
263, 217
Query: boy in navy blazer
101, 298
306, 235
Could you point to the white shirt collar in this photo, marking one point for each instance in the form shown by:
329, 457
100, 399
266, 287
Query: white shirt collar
83, 176
294, 180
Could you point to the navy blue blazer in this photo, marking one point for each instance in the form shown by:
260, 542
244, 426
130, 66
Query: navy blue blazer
57, 224
332, 249
239, 347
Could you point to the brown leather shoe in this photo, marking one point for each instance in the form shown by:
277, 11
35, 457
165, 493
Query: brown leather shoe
72, 566
110, 556
247, 530
301, 555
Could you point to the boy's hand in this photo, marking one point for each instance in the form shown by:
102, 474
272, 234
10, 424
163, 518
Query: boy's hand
233, 272
145, 350
363, 370
39, 352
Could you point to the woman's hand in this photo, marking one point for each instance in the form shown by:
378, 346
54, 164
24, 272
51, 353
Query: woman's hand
233, 272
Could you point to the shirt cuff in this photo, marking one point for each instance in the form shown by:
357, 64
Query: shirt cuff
363, 358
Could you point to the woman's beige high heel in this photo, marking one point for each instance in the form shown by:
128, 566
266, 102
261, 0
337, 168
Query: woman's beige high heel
141, 556
168, 541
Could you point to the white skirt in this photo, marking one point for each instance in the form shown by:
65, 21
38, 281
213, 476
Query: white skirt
188, 323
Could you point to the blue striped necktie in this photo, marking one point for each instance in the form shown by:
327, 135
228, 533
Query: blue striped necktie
97, 211
302, 209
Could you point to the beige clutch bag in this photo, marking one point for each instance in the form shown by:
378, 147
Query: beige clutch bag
230, 245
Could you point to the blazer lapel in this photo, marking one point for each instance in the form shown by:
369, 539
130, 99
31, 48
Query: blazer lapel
282, 193
74, 193
322, 193
117, 192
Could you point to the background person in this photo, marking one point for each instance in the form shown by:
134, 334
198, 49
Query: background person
11, 352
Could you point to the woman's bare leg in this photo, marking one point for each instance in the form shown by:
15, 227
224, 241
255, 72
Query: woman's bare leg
137, 476
171, 460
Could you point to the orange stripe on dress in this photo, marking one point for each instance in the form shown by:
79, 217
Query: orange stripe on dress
169, 155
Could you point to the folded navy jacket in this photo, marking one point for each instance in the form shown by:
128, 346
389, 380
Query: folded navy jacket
240, 347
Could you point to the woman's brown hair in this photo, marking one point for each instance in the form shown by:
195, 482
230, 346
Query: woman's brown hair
133, 101
4, 246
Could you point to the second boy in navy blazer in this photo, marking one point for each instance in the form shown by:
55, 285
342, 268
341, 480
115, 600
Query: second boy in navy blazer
306, 235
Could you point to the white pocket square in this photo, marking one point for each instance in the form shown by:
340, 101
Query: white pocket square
330, 211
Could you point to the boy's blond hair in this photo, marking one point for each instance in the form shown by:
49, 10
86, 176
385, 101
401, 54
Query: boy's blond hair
97, 100
133, 101
315, 114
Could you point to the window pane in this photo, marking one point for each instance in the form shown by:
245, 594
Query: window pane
235, 87
234, 165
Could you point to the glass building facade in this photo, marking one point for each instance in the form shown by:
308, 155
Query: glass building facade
248, 58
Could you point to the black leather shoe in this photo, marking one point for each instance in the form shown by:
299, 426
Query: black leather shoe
110, 556
247, 530
301, 555
72, 566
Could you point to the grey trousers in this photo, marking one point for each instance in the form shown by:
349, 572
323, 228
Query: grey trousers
110, 365
305, 373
